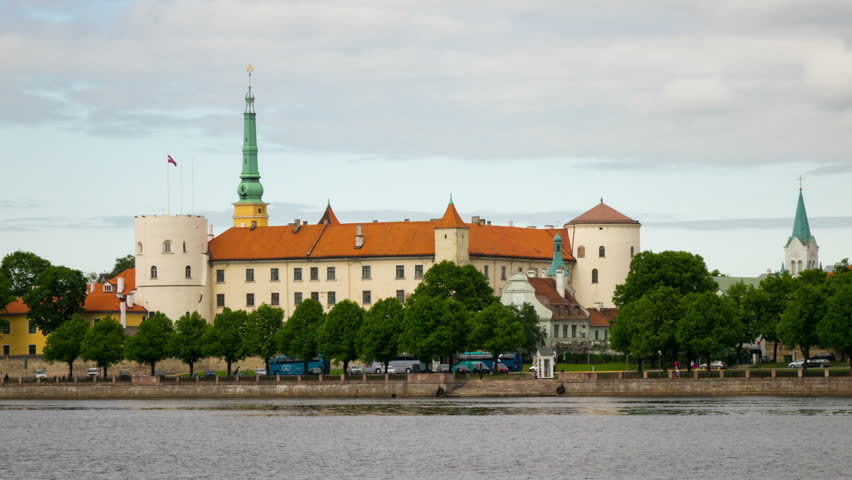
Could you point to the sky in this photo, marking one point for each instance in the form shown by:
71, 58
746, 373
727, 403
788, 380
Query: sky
695, 118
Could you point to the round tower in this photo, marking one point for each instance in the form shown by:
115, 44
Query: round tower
172, 274
604, 242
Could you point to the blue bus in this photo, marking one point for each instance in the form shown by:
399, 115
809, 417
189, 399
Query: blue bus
284, 365
513, 361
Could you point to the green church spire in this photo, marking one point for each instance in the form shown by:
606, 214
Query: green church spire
557, 262
250, 190
801, 228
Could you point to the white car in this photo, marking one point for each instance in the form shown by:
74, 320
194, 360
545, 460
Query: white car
92, 372
40, 374
260, 372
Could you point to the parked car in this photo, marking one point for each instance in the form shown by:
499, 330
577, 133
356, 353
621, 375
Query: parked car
444, 368
823, 356
356, 370
92, 372
260, 372
400, 366
124, 375
714, 365
462, 370
40, 374
159, 373
480, 367
210, 373
502, 368
796, 364
820, 362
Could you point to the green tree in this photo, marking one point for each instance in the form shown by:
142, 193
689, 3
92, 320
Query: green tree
749, 308
65, 343
378, 339
122, 264
465, 284
225, 338
7, 296
778, 290
188, 339
58, 294
835, 329
23, 269
152, 341
496, 329
683, 271
298, 337
842, 267
104, 343
261, 327
433, 327
648, 325
533, 332
798, 325
709, 325
338, 334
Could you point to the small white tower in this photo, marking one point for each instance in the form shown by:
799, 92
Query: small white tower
172, 274
604, 242
801, 251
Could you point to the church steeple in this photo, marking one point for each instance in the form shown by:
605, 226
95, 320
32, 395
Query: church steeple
249, 210
801, 227
801, 251
557, 261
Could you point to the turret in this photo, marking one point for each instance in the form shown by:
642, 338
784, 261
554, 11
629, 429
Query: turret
452, 239
250, 210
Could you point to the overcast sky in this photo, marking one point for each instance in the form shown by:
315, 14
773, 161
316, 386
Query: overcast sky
696, 118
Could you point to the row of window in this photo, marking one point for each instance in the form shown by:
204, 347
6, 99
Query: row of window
7, 350
187, 272
6, 329
314, 273
581, 252
565, 332
167, 247
331, 298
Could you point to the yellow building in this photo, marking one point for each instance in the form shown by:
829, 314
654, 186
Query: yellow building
113, 297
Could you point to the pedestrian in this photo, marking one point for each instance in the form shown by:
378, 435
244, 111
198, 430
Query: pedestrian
677, 368
237, 372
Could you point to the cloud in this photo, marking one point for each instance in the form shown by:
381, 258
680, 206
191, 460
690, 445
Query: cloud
751, 223
831, 169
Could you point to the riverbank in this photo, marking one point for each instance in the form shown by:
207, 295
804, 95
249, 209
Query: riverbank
429, 385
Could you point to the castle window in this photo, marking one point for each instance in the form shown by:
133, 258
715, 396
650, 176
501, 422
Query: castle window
602, 251
330, 273
314, 273
249, 299
596, 335
220, 299
273, 274
418, 271
139, 248
187, 271
7, 350
297, 298
581, 252
31, 349
365, 272
400, 272
485, 270
220, 275
564, 331
332, 298
366, 297
503, 272
107, 287
153, 272
556, 331
31, 327
573, 331
631, 252
249, 274
274, 300
6, 328
184, 247
595, 276
315, 296
400, 296
297, 274
167, 246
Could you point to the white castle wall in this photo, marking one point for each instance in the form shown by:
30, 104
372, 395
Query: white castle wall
617, 239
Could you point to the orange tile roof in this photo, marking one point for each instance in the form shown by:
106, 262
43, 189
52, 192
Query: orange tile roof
96, 300
451, 218
602, 213
602, 317
381, 239
18, 307
328, 216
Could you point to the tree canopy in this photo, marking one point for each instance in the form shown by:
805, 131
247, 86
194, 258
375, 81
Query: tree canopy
798, 324
261, 327
104, 343
188, 339
58, 294
298, 337
433, 327
835, 328
338, 334
152, 341
709, 325
65, 343
378, 339
648, 325
496, 329
22, 270
225, 338
683, 271
465, 284
534, 334
122, 264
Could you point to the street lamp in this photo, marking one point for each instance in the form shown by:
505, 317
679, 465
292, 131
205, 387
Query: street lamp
660, 354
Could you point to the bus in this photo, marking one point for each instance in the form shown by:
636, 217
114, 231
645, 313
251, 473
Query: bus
284, 365
513, 361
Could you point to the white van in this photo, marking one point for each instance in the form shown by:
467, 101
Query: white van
399, 365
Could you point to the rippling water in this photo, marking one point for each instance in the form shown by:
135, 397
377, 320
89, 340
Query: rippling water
577, 438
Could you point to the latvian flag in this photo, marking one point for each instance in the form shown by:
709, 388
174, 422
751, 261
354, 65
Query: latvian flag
172, 160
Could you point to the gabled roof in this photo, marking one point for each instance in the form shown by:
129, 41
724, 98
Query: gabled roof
602, 214
561, 306
602, 317
328, 216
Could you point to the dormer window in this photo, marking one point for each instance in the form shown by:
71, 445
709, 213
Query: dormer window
167, 246
107, 287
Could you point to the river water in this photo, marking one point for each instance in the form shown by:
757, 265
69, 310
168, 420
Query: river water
542, 438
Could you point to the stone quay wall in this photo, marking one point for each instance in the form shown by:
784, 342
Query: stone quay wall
427, 385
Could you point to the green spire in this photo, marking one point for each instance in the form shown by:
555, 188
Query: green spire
801, 228
250, 190
557, 262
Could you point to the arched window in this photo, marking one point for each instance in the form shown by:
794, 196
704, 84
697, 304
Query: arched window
632, 252
188, 271
139, 247
153, 272
601, 251
167, 246
800, 266
581, 252
595, 276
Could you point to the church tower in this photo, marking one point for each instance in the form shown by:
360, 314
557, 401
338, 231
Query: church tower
801, 251
250, 210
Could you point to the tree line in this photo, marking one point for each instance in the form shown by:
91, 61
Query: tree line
669, 304
453, 309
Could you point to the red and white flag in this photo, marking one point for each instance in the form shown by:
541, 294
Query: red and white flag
172, 161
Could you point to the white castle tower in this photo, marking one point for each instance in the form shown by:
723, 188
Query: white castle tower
604, 242
172, 273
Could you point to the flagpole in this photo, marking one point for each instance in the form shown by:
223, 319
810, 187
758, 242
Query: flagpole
181, 188
192, 188
168, 191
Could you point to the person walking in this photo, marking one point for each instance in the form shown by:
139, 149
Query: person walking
677, 369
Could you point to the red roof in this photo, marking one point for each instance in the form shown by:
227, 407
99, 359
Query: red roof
562, 307
328, 216
382, 239
18, 307
602, 317
97, 300
602, 214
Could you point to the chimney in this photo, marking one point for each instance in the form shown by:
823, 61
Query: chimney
297, 224
406, 220
359, 236
210, 232
510, 223
123, 308
474, 219
488, 222
304, 222
91, 287
120, 288
548, 226
560, 282
129, 299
